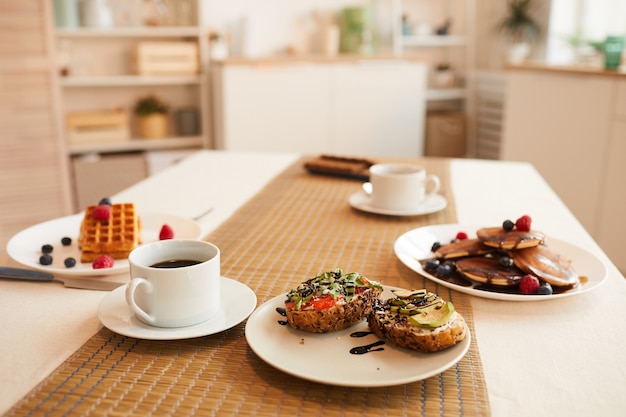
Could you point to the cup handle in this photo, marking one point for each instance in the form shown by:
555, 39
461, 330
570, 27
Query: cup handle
436, 184
130, 299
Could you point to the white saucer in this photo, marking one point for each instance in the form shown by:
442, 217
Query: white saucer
237, 300
361, 201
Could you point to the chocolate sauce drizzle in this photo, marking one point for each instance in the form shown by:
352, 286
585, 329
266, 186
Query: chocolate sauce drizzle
357, 350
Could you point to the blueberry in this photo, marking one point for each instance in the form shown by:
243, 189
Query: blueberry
45, 259
435, 246
451, 263
69, 262
47, 248
105, 201
444, 270
506, 262
66, 241
545, 289
508, 225
431, 265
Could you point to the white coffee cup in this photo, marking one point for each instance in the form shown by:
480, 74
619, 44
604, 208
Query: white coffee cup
164, 295
400, 186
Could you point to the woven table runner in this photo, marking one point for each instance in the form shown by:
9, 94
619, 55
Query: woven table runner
298, 225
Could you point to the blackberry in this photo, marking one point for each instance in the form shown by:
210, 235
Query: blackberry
508, 225
46, 248
45, 259
435, 246
69, 262
66, 241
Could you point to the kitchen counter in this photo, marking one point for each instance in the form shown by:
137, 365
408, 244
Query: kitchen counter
569, 69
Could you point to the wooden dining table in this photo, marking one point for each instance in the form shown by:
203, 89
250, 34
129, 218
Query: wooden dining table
278, 224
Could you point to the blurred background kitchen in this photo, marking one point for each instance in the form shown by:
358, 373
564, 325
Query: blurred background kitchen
97, 94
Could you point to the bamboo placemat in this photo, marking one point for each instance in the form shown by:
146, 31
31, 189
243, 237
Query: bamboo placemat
298, 225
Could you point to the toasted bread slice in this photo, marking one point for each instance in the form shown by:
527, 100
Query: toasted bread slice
387, 322
331, 301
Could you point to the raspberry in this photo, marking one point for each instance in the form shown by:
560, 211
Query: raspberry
102, 212
461, 236
103, 261
523, 223
166, 232
529, 284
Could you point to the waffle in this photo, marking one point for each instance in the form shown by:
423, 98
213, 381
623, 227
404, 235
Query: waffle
115, 237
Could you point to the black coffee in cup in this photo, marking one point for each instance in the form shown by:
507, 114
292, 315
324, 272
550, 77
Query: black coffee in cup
176, 263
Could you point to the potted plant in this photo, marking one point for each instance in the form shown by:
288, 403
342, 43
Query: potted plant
151, 114
444, 76
520, 28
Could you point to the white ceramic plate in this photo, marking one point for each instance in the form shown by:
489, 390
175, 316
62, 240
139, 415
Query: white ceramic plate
415, 245
25, 246
237, 302
326, 357
362, 201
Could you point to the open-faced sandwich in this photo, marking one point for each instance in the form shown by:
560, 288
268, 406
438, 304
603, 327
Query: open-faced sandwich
417, 320
331, 301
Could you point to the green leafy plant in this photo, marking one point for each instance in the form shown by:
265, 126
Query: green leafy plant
150, 104
519, 23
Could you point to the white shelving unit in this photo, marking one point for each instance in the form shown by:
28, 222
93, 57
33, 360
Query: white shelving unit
113, 84
456, 46
97, 73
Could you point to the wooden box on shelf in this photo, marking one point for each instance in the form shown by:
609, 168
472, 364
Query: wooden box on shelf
166, 58
97, 126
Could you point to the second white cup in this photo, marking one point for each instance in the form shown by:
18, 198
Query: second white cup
174, 283
401, 187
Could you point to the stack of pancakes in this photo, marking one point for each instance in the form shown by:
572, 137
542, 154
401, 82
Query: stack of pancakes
116, 237
479, 259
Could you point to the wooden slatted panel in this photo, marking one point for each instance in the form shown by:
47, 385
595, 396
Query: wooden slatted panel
33, 167
490, 91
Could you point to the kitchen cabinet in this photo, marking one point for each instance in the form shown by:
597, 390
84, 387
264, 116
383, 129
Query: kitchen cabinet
272, 107
572, 127
341, 106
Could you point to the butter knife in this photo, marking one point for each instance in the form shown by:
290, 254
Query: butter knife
91, 283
